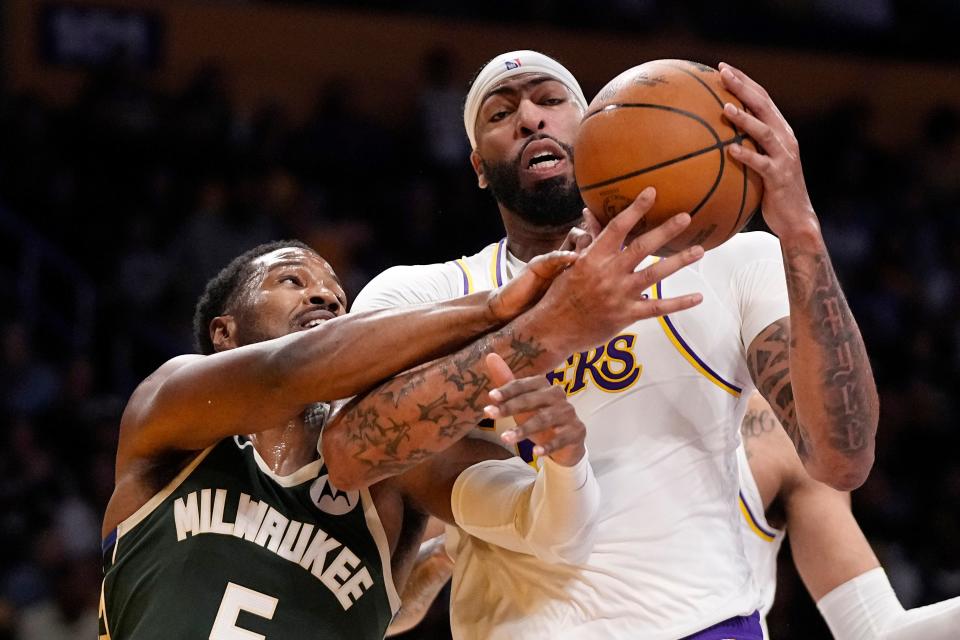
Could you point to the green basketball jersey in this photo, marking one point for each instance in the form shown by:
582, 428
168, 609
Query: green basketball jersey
230, 551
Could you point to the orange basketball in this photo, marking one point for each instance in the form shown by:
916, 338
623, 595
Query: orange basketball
662, 124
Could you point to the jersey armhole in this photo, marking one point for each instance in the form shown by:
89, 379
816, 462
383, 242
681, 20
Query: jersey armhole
375, 526
138, 516
103, 632
751, 503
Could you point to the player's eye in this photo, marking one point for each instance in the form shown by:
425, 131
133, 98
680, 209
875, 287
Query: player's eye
292, 278
499, 115
552, 102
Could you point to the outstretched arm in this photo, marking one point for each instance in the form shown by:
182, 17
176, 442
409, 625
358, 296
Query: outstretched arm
813, 366
193, 400
549, 512
419, 413
504, 491
830, 551
843, 575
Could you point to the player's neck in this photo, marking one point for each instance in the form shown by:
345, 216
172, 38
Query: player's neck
526, 241
287, 448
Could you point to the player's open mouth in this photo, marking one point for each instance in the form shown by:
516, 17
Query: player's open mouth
316, 317
543, 158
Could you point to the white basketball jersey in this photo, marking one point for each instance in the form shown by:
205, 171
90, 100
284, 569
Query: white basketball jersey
761, 542
662, 402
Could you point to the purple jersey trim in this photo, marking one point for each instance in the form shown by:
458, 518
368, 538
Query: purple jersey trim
739, 628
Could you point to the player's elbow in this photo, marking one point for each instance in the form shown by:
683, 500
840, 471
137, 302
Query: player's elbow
845, 472
342, 471
844, 482
345, 478
857, 473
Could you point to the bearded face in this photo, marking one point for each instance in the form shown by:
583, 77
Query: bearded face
552, 201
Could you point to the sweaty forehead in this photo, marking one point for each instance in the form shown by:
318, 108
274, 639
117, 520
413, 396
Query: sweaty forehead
292, 256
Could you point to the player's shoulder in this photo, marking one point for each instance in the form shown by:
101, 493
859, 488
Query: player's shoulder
410, 284
748, 244
742, 249
417, 284
147, 389
414, 273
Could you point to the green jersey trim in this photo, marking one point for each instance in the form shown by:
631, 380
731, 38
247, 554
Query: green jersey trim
375, 526
140, 514
103, 613
307, 472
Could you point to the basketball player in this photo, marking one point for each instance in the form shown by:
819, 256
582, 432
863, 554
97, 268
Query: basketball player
830, 551
224, 523
662, 400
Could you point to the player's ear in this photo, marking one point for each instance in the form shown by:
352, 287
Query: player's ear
223, 331
477, 163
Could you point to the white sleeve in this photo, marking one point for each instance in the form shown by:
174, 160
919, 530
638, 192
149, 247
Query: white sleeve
550, 513
866, 608
749, 267
403, 286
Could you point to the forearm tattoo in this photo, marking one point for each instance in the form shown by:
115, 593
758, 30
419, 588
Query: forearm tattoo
769, 363
844, 381
416, 414
846, 377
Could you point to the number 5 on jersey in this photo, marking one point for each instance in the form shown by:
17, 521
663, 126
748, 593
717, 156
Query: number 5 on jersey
237, 599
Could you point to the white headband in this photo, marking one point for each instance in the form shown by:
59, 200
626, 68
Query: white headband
505, 66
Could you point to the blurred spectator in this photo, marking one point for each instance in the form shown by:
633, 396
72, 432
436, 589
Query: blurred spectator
71, 612
152, 190
28, 383
440, 111
228, 221
940, 156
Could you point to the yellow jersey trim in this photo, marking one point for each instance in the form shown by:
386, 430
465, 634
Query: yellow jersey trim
103, 613
466, 274
752, 523
656, 292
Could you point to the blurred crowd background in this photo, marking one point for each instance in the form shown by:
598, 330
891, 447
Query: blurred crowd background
120, 200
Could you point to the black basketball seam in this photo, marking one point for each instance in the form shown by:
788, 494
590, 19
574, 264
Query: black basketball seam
743, 202
738, 138
740, 134
716, 183
749, 217
650, 105
645, 105
700, 80
720, 144
710, 90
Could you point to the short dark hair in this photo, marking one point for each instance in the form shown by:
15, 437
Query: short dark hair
221, 291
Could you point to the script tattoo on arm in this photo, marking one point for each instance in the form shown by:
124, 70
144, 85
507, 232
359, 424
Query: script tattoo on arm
846, 379
821, 354
416, 414
756, 423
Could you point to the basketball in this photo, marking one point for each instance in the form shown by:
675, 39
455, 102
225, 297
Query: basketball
661, 124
